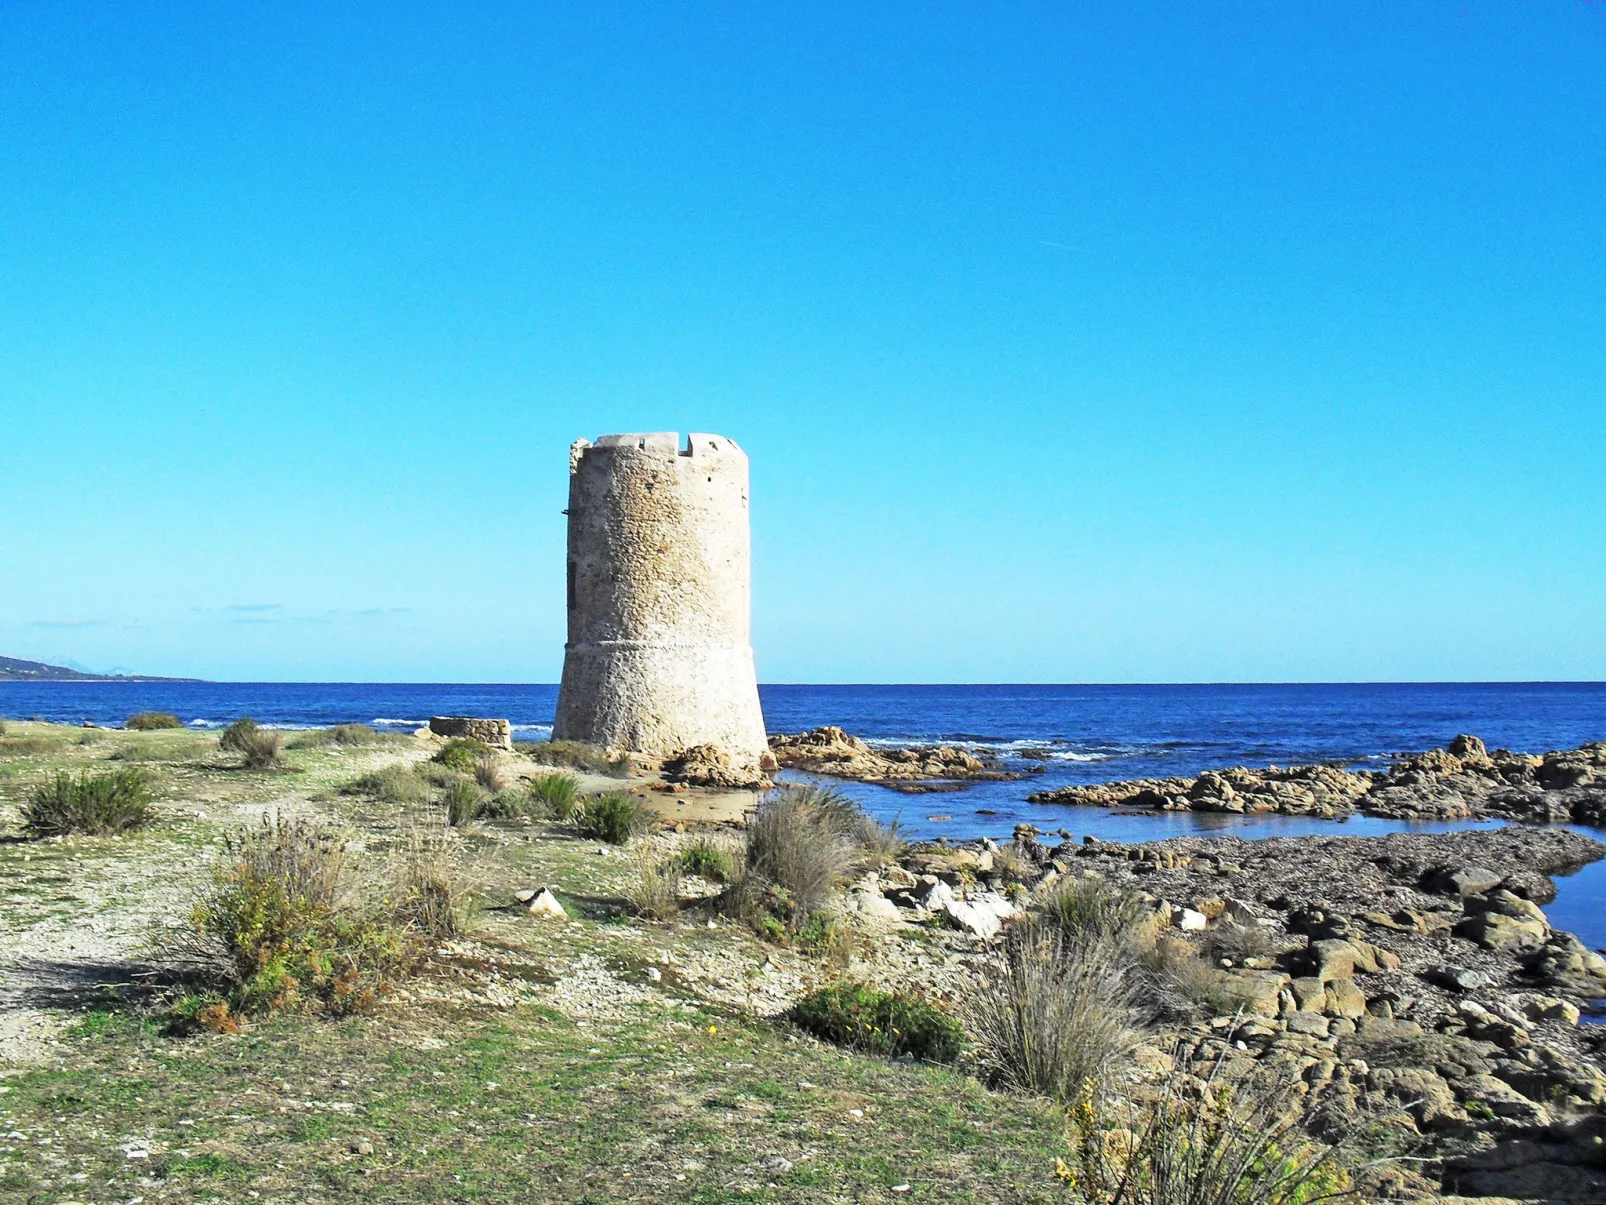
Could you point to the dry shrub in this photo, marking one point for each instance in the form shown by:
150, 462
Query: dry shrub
462, 799
654, 885
151, 721
1056, 1016
98, 804
259, 747
1204, 1141
797, 855
488, 773
280, 926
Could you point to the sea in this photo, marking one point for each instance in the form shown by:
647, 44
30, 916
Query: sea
1087, 734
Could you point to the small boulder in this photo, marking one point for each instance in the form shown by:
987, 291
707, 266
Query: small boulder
1463, 880
1496, 931
544, 903
1344, 999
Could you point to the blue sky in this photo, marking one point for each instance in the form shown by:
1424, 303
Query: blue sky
1069, 343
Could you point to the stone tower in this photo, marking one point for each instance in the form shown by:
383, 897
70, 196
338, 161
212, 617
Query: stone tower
659, 656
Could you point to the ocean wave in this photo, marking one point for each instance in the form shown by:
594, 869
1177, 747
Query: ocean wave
532, 727
398, 723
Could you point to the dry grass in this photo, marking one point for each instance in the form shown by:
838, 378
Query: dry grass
488, 773
796, 846
653, 888
1204, 1141
1056, 1016
259, 748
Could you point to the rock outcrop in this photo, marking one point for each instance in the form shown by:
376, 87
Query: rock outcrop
1462, 781
914, 769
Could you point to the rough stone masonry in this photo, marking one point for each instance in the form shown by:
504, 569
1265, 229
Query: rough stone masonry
659, 656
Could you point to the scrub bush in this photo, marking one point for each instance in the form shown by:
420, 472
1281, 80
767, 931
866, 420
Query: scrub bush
615, 818
98, 804
150, 721
885, 1023
259, 747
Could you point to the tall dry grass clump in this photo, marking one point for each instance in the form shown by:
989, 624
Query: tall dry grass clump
98, 804
653, 889
1056, 1016
488, 773
258, 747
427, 902
1204, 1141
797, 855
462, 800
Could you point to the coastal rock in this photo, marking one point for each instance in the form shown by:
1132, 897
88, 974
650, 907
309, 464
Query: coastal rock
711, 766
1461, 781
911, 769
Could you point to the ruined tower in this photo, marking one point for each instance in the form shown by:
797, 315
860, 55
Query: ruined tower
659, 656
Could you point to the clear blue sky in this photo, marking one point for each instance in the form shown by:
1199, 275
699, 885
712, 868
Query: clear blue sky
1070, 343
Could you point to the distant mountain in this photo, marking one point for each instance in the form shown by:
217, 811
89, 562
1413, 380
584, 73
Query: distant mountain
14, 670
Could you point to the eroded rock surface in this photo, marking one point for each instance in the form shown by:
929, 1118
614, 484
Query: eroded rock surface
1462, 781
914, 769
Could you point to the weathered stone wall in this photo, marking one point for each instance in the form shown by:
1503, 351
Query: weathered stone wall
659, 656
496, 733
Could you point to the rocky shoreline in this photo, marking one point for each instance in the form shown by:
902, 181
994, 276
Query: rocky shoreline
1410, 981
911, 769
1463, 781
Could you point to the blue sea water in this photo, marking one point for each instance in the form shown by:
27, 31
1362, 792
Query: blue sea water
1091, 734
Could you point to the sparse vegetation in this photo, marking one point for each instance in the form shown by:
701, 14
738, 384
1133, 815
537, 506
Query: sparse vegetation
259, 748
280, 926
885, 1023
461, 754
350, 736
654, 886
1203, 1141
555, 795
96, 804
575, 756
615, 818
150, 721
398, 786
462, 800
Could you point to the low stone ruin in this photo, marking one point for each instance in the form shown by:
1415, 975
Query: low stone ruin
496, 733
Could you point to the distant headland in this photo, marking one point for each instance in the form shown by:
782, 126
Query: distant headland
14, 670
